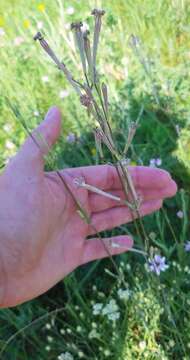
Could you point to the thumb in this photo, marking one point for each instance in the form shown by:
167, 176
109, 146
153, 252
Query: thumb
45, 135
32, 152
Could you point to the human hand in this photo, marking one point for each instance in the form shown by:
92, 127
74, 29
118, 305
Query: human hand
42, 236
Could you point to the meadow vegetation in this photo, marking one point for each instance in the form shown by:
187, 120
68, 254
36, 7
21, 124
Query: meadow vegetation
90, 315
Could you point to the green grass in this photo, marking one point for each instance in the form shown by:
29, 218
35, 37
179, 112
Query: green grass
154, 321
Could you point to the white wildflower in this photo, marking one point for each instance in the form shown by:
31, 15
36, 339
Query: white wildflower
47, 348
124, 294
48, 326
142, 345
36, 113
49, 339
79, 328
180, 214
93, 334
158, 162
97, 308
80, 354
63, 94
65, 356
40, 25
155, 162
45, 79
70, 10
114, 316
110, 307
107, 352
7, 127
2, 32
9, 145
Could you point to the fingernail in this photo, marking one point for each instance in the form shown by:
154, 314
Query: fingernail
51, 112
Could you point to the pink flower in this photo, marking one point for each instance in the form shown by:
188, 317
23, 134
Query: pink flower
18, 41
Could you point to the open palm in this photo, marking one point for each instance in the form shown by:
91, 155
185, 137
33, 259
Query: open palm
42, 236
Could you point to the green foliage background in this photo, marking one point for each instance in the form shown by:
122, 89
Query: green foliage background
155, 321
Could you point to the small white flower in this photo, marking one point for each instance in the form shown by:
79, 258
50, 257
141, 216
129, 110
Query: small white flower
48, 326
40, 25
107, 352
142, 345
128, 267
65, 356
97, 308
158, 162
93, 334
79, 328
48, 348
80, 354
180, 214
2, 32
171, 343
110, 307
45, 79
114, 316
155, 162
63, 94
9, 145
36, 113
7, 127
62, 331
18, 41
49, 339
152, 163
70, 10
124, 294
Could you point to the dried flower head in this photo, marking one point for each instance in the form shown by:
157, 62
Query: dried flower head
38, 36
85, 100
61, 66
98, 12
76, 25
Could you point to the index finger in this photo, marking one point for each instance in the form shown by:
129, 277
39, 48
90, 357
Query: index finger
106, 177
